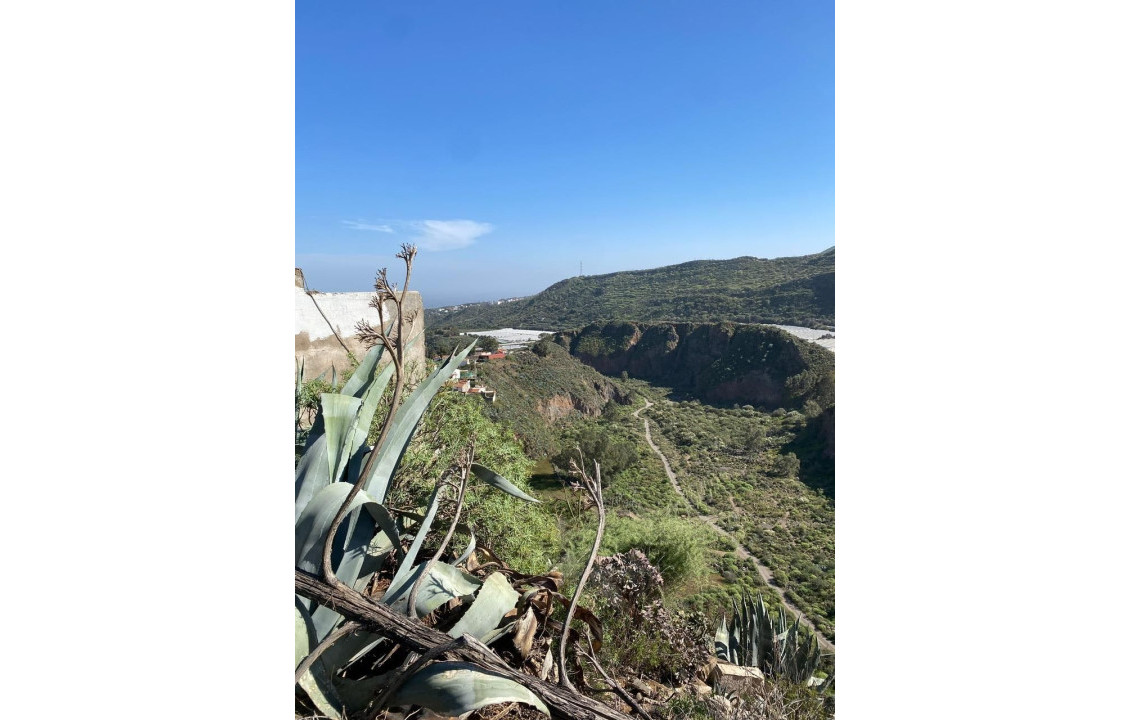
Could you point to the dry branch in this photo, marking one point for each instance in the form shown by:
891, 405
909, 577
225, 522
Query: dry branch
593, 488
564, 704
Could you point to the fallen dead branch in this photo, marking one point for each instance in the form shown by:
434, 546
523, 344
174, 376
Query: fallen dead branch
564, 704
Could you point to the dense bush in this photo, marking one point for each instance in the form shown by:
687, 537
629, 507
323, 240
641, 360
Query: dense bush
597, 446
642, 635
525, 534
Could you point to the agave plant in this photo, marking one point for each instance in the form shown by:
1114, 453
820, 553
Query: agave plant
306, 394
337, 464
757, 637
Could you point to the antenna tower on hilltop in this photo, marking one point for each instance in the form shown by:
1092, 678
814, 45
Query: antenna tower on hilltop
582, 268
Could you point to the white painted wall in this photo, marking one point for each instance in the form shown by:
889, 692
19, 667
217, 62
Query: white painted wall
343, 309
314, 341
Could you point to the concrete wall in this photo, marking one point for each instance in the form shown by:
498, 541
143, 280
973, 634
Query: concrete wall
316, 345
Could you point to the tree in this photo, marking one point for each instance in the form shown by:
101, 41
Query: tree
597, 447
487, 343
755, 439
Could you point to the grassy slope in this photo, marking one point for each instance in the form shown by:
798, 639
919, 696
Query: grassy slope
789, 291
786, 518
526, 381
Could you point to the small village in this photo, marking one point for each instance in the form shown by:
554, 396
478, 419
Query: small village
463, 378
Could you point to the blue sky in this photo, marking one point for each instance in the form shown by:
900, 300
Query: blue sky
514, 140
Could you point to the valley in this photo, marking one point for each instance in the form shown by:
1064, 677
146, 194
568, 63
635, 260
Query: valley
741, 551
752, 480
714, 447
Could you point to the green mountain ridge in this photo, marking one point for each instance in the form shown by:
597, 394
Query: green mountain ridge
786, 291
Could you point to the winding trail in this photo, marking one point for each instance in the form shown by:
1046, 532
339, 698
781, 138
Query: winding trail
743, 552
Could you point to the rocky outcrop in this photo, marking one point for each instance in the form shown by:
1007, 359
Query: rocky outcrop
721, 362
557, 407
561, 406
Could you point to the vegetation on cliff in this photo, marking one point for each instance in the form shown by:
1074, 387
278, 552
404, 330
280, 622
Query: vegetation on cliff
784, 291
717, 362
538, 389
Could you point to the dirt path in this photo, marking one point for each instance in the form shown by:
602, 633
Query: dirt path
743, 552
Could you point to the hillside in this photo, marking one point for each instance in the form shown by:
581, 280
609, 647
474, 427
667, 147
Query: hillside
787, 291
539, 388
719, 362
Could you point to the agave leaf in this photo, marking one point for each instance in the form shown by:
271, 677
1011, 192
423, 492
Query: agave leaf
810, 658
490, 477
357, 694
418, 541
370, 401
749, 656
827, 684
736, 643
443, 583
315, 519
312, 473
722, 641
350, 556
340, 412
404, 425
316, 682
508, 628
461, 527
358, 433
326, 456
365, 372
494, 599
357, 566
349, 649
365, 549
456, 688
470, 547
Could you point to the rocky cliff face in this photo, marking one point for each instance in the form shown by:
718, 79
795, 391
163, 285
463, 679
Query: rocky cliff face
755, 364
562, 406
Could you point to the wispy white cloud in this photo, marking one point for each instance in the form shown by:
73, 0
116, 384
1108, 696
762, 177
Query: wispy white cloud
358, 225
439, 235
434, 235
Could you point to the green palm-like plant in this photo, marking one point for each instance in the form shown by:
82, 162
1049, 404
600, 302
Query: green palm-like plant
338, 467
757, 637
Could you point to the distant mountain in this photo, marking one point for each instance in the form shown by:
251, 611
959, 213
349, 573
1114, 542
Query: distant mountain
785, 291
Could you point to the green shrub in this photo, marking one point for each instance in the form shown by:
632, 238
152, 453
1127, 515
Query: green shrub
675, 546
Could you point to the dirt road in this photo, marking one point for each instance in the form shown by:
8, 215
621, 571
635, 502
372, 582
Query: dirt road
743, 552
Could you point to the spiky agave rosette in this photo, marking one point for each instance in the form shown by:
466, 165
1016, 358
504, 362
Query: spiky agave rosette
334, 455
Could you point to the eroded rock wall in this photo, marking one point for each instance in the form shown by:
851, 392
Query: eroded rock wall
720, 362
